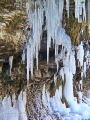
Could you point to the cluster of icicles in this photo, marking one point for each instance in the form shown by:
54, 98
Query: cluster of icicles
53, 11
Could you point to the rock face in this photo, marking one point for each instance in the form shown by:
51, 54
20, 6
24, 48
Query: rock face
12, 41
12, 34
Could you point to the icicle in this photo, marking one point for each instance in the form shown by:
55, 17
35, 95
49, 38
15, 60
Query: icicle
56, 54
84, 69
28, 62
84, 11
31, 60
80, 54
52, 22
23, 56
47, 52
36, 21
10, 63
61, 6
27, 7
67, 7
48, 21
37, 56
78, 10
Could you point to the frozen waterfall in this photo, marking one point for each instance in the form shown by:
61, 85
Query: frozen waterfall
53, 11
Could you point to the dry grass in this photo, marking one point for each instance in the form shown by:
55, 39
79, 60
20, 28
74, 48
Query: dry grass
74, 28
16, 23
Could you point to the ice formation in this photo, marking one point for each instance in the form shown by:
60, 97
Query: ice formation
36, 21
11, 109
23, 56
80, 10
53, 11
80, 54
67, 7
76, 111
10, 63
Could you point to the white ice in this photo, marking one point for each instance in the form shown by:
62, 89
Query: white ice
80, 54
10, 63
23, 56
12, 109
80, 9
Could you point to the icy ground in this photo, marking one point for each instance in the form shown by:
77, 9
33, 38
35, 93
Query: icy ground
80, 111
12, 109
77, 111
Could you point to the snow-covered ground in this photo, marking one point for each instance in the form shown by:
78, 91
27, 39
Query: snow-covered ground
12, 109
77, 111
